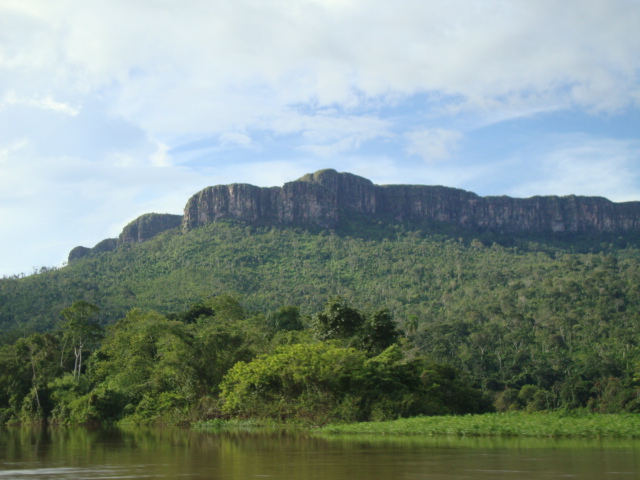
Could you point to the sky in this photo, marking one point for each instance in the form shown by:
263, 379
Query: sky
110, 109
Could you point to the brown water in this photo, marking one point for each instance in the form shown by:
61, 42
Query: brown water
80, 453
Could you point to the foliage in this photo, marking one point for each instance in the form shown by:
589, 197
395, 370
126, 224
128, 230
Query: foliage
26, 368
539, 324
80, 331
337, 321
379, 332
286, 319
502, 424
323, 382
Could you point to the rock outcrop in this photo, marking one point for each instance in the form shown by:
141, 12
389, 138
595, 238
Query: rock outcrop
148, 226
77, 253
323, 197
140, 230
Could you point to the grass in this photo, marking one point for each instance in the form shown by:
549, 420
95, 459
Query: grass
553, 425
220, 425
235, 425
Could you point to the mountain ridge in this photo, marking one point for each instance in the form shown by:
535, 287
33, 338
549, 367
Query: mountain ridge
323, 198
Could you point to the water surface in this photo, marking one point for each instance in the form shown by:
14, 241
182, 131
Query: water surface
110, 453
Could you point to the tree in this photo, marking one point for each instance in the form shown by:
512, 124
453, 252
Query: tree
324, 382
309, 381
226, 307
26, 369
80, 330
285, 318
379, 332
193, 314
337, 321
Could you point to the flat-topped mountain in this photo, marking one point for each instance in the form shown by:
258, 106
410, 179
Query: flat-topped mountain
323, 198
320, 199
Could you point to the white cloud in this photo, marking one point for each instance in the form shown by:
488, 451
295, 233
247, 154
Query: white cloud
11, 148
208, 66
161, 158
581, 165
44, 103
432, 144
235, 138
330, 133
95, 96
49, 205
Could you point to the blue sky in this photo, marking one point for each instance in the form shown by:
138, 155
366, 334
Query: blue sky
110, 108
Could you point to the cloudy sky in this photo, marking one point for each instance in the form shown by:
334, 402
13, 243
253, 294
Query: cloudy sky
114, 108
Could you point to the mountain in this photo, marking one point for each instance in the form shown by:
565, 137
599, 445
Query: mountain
326, 198
141, 229
417, 250
536, 300
322, 198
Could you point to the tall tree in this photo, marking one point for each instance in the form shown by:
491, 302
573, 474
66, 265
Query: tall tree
337, 321
80, 330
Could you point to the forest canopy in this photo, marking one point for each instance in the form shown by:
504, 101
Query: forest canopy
533, 323
151, 368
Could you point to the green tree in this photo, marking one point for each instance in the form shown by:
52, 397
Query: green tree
325, 382
379, 332
80, 330
304, 380
337, 321
42, 350
193, 314
286, 318
144, 353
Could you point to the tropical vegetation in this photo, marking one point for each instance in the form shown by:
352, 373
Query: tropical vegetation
240, 321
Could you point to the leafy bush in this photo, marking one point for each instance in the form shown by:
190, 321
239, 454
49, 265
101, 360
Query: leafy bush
324, 382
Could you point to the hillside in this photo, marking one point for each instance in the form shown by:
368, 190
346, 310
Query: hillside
538, 319
402, 247
372, 265
331, 200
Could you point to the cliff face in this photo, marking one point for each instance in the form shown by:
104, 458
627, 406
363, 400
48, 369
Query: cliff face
140, 230
148, 226
322, 197
295, 202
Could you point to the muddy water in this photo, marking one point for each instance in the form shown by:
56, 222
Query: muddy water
81, 453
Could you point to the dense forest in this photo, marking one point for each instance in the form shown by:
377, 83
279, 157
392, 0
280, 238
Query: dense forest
215, 361
237, 320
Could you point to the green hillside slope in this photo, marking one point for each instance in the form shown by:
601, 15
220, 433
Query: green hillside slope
431, 277
536, 323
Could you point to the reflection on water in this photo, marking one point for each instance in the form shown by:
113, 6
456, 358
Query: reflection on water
109, 453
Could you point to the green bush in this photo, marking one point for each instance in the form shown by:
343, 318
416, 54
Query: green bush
324, 382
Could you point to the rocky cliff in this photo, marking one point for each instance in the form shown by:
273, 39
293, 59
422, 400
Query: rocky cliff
322, 197
139, 230
148, 226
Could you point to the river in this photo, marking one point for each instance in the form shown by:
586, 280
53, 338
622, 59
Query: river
174, 453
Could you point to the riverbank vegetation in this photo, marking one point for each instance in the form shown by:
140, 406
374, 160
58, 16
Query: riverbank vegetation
215, 361
513, 424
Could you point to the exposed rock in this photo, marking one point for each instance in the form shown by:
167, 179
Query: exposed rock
77, 253
148, 226
296, 202
322, 197
140, 230
107, 245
